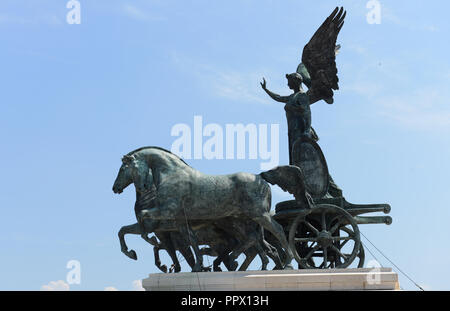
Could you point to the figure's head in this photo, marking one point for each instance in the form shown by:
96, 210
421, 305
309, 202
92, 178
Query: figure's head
295, 81
133, 171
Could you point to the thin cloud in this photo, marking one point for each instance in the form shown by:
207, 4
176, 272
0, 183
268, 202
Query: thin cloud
424, 110
140, 14
235, 85
56, 286
134, 12
137, 285
30, 20
361, 87
388, 14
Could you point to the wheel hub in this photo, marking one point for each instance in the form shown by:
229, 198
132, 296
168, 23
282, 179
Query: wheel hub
324, 238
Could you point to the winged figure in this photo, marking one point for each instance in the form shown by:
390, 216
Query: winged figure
318, 72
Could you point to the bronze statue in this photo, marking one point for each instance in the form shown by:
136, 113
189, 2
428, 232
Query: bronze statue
318, 72
230, 214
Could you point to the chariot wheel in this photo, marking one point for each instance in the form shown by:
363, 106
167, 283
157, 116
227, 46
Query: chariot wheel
360, 258
325, 236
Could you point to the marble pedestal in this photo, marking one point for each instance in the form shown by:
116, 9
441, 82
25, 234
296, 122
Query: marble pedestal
275, 280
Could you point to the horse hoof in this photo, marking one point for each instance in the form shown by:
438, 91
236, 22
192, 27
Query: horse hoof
132, 254
234, 265
163, 268
197, 268
288, 267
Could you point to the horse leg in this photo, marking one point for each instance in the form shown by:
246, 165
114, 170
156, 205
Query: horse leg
198, 267
181, 244
156, 250
185, 230
131, 229
250, 254
143, 227
256, 239
268, 223
277, 248
225, 258
241, 248
262, 254
213, 252
157, 246
166, 239
216, 264
147, 222
266, 250
242, 241
273, 254
147, 226
208, 251
187, 254
219, 259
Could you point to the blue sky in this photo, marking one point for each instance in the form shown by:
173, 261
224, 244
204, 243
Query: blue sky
75, 98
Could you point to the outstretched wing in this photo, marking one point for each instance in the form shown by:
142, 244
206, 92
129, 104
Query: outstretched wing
289, 178
319, 58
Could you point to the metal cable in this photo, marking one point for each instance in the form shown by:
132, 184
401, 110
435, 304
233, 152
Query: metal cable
401, 271
373, 255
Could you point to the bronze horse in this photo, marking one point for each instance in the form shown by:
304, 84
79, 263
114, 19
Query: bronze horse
186, 199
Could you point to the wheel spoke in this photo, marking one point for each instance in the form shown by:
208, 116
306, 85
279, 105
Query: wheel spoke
304, 240
341, 238
336, 226
345, 242
324, 223
311, 252
325, 257
349, 231
339, 252
313, 229
351, 236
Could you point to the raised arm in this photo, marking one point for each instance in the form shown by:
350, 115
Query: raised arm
278, 98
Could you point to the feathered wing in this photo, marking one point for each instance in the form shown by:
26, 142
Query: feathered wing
289, 178
319, 59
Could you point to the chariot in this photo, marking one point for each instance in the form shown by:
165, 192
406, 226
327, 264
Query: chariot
325, 235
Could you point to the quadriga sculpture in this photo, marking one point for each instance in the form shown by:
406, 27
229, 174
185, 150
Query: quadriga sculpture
187, 198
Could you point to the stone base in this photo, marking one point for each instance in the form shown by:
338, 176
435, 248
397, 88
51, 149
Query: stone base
275, 280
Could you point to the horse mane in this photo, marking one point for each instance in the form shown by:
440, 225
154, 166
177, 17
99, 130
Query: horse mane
159, 148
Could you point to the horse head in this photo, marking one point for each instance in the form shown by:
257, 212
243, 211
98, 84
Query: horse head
133, 170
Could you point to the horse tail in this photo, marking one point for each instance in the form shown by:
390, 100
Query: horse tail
289, 178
